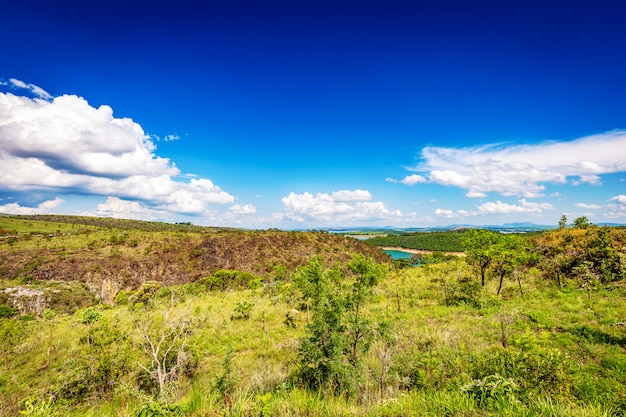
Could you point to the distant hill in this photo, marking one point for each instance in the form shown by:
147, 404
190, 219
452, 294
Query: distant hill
111, 255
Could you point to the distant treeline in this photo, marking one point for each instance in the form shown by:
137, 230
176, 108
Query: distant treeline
108, 222
435, 241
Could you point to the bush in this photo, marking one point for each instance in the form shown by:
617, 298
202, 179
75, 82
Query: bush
7, 311
242, 310
230, 279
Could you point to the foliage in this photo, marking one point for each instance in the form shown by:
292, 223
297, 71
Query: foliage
338, 331
39, 408
229, 279
492, 387
7, 311
433, 241
584, 255
242, 310
428, 338
225, 382
89, 315
479, 247
159, 409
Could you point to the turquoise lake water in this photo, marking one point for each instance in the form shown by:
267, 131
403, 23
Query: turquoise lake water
398, 254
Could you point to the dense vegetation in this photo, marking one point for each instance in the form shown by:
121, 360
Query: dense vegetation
543, 334
433, 241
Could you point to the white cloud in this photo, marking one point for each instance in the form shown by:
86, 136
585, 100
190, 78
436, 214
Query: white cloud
617, 207
67, 146
498, 208
450, 214
124, 209
619, 199
503, 208
475, 194
340, 206
588, 206
522, 170
413, 179
38, 91
245, 209
42, 208
347, 195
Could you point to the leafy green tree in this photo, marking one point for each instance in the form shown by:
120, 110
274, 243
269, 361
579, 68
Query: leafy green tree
507, 254
563, 222
581, 222
479, 249
367, 274
338, 331
321, 353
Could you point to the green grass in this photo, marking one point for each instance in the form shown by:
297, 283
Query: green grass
441, 346
434, 350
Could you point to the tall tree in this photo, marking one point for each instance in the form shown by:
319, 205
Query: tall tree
338, 331
479, 249
507, 253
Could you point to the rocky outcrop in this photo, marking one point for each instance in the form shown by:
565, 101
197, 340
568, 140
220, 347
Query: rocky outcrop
26, 300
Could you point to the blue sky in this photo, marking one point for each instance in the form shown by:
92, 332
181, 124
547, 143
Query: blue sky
311, 114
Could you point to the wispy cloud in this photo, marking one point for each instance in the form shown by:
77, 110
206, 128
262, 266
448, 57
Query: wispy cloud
64, 145
36, 90
523, 170
337, 207
588, 206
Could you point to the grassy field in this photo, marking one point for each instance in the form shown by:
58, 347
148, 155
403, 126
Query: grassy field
550, 351
313, 339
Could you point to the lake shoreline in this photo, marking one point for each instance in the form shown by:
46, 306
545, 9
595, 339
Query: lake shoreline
418, 251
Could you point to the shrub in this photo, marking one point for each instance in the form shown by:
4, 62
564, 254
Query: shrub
225, 279
7, 311
242, 310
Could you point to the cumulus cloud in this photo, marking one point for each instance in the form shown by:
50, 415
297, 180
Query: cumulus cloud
408, 180
503, 208
242, 209
124, 209
523, 170
42, 208
619, 199
617, 207
413, 179
64, 145
339, 206
498, 208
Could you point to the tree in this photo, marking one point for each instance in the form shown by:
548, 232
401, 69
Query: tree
581, 222
563, 222
479, 249
163, 338
338, 331
321, 353
507, 253
367, 274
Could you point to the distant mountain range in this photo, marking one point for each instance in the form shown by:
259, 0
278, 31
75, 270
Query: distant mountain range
519, 227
